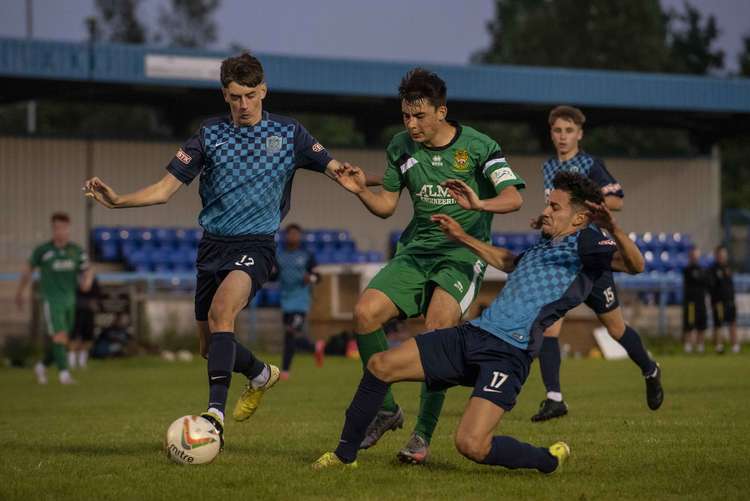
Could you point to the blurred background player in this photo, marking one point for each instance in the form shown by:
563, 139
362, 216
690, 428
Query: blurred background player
246, 162
722, 300
566, 131
429, 275
296, 275
63, 266
694, 313
82, 337
493, 353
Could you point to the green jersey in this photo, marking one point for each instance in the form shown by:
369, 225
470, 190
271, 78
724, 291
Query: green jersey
471, 157
59, 268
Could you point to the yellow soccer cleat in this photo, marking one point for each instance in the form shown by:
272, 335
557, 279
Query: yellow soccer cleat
331, 460
561, 451
250, 399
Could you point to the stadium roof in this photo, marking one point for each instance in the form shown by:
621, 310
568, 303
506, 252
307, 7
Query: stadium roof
115, 72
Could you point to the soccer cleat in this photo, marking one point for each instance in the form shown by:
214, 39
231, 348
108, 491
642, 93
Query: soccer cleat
561, 451
654, 391
40, 371
66, 378
331, 460
549, 409
218, 422
250, 399
416, 450
384, 421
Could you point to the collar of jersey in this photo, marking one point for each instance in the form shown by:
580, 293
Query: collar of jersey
459, 129
580, 152
263, 116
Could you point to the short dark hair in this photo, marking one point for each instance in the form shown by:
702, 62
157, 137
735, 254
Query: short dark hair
293, 226
243, 69
567, 113
423, 85
580, 188
63, 217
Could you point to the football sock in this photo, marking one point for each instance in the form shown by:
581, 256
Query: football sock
286, 359
549, 361
510, 453
555, 396
246, 363
261, 378
631, 341
368, 345
430, 405
72, 359
365, 405
60, 356
83, 358
221, 359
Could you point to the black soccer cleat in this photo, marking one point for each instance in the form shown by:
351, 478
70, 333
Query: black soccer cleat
654, 391
549, 409
214, 420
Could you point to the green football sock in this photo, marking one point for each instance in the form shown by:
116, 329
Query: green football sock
61, 356
430, 405
368, 345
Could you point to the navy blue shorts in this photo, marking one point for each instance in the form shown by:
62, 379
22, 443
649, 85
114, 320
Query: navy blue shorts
217, 256
469, 356
724, 313
603, 297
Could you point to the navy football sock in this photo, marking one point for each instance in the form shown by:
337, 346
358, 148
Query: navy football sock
510, 453
221, 355
549, 361
246, 363
286, 360
365, 405
632, 343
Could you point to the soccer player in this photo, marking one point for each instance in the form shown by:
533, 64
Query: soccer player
82, 337
566, 131
694, 314
429, 275
246, 162
63, 266
296, 270
493, 353
722, 300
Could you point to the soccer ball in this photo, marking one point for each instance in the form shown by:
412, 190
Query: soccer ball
192, 440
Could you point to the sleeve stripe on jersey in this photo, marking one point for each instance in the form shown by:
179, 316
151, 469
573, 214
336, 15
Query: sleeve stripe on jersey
611, 189
492, 162
408, 165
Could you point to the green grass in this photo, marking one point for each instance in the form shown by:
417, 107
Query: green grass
101, 439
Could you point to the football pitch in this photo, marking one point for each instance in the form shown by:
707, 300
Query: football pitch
102, 439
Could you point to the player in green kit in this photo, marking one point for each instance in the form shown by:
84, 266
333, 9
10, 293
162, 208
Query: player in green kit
61, 263
435, 160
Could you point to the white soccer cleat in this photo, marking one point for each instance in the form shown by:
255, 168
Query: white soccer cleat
66, 378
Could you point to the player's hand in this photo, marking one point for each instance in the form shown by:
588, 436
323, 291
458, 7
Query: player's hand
449, 226
352, 178
601, 216
536, 223
463, 194
98, 190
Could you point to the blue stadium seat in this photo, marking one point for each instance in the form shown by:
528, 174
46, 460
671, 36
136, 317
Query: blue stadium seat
359, 257
499, 240
109, 251
375, 257
323, 257
272, 297
165, 235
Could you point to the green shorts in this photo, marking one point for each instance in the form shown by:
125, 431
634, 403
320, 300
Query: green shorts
59, 316
409, 280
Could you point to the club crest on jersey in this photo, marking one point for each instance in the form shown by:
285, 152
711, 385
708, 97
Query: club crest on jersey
273, 144
574, 169
317, 147
461, 161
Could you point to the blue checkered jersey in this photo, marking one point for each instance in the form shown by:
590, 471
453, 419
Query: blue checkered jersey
550, 278
246, 172
292, 266
585, 164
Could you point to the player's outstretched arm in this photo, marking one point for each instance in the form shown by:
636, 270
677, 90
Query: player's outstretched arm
22, 284
500, 258
628, 257
382, 204
158, 193
508, 200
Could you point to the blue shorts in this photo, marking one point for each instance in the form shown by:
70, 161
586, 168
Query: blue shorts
469, 356
603, 296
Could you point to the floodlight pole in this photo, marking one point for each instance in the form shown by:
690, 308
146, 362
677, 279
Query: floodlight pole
31, 105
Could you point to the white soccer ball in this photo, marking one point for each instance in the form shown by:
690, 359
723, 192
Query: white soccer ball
192, 440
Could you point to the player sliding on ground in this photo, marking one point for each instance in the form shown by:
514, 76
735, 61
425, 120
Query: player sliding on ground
566, 130
246, 162
494, 352
430, 275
